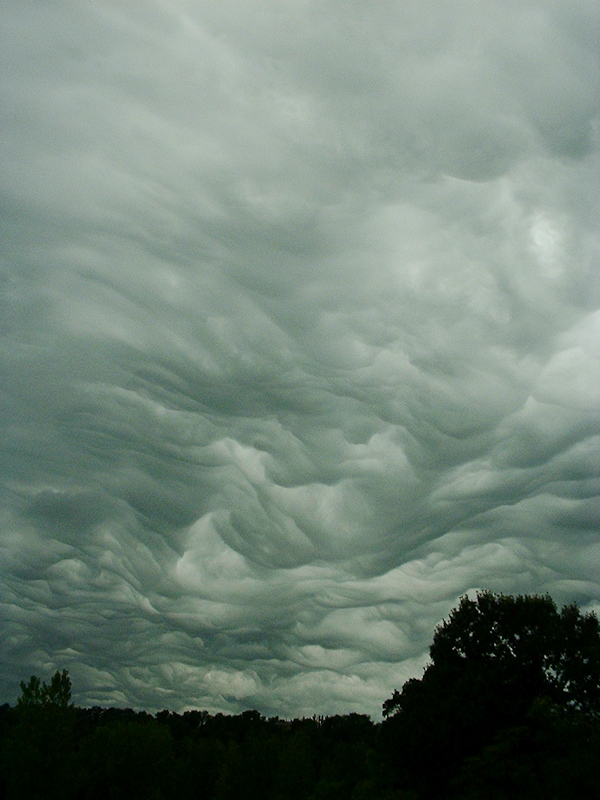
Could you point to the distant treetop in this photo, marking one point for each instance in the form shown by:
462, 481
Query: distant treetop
39, 693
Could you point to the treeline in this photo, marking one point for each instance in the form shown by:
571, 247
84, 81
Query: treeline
52, 752
508, 707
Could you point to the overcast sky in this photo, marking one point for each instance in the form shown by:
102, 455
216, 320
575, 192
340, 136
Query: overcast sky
300, 333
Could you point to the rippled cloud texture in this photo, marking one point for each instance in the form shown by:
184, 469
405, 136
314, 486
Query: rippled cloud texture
300, 338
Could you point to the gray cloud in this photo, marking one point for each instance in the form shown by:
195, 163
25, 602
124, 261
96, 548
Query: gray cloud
300, 339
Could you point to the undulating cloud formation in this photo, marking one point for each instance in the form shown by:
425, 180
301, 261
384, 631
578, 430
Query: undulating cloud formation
300, 338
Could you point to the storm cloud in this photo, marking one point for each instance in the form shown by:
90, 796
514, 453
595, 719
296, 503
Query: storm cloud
300, 319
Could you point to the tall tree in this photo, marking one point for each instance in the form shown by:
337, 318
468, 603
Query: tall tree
491, 660
38, 758
37, 693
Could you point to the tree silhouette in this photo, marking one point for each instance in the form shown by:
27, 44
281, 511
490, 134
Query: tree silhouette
491, 661
37, 693
36, 760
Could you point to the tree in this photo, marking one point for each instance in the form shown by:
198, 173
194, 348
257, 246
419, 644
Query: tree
127, 760
526, 644
37, 759
37, 693
553, 754
491, 660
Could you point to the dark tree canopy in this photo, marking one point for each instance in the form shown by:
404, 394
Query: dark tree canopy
492, 661
521, 644
550, 653
39, 693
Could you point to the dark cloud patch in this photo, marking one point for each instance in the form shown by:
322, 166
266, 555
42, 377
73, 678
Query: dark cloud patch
299, 319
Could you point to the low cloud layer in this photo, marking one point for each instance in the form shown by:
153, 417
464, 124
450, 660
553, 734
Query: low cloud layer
300, 316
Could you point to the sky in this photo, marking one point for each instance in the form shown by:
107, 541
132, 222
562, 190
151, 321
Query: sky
299, 338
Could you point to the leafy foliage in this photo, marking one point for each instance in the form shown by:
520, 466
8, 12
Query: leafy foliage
37, 693
526, 644
37, 756
492, 660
